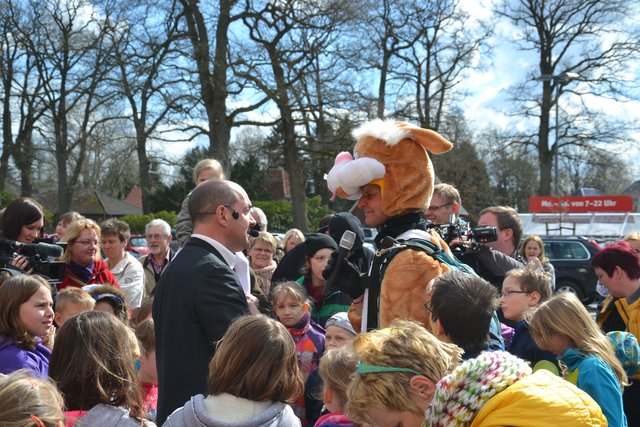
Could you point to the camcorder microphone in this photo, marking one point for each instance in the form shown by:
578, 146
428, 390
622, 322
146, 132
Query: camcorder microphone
31, 249
253, 233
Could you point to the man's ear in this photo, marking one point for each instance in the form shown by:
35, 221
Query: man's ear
508, 234
423, 389
455, 207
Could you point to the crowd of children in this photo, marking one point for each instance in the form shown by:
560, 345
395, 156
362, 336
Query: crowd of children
90, 360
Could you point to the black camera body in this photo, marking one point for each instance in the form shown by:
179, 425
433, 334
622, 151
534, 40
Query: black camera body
38, 258
467, 236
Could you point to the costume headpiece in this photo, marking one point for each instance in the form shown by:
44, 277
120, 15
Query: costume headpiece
394, 156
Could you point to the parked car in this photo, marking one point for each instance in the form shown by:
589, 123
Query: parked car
571, 257
137, 245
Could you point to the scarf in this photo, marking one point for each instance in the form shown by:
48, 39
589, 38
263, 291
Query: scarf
299, 329
84, 273
397, 225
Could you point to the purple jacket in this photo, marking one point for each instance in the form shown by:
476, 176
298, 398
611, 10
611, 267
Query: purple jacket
334, 420
13, 358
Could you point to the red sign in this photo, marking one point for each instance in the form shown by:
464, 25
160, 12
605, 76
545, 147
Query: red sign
581, 204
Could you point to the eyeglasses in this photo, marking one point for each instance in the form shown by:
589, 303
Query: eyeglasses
507, 294
435, 208
427, 306
260, 250
87, 242
156, 236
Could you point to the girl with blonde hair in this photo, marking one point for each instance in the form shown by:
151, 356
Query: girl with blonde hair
396, 375
532, 249
337, 367
28, 401
563, 326
248, 386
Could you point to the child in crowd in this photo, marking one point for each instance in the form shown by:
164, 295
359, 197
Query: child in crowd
110, 300
146, 366
143, 312
63, 223
563, 326
532, 250
462, 306
70, 301
339, 333
327, 298
248, 386
26, 324
523, 290
292, 310
93, 366
396, 375
27, 401
204, 170
337, 367
498, 389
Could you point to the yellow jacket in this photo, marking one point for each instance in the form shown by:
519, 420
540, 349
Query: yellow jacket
541, 399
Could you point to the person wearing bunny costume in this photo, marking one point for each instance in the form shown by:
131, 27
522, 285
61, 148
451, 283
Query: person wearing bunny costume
391, 176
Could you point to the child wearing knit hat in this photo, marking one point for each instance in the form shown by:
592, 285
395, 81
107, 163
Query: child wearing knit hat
498, 389
339, 333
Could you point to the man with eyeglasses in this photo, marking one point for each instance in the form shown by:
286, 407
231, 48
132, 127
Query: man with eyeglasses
444, 206
158, 235
200, 293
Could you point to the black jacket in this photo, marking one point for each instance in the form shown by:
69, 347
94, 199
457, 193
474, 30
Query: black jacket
194, 304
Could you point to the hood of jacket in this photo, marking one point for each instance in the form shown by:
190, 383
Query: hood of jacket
194, 414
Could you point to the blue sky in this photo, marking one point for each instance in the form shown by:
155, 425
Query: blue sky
488, 100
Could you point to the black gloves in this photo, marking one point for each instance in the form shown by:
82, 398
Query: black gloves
349, 280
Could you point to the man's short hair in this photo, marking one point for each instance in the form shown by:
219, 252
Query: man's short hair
447, 192
166, 228
464, 304
207, 196
507, 217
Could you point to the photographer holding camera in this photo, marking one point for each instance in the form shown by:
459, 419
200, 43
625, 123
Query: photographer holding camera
22, 222
491, 259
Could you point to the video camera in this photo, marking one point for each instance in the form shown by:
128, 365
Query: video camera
467, 237
37, 254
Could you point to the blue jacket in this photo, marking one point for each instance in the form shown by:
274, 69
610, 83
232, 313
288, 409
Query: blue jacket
523, 346
13, 358
593, 375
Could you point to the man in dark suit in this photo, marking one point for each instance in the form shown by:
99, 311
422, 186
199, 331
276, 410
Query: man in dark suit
199, 294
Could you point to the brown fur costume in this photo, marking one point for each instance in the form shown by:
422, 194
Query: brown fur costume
394, 155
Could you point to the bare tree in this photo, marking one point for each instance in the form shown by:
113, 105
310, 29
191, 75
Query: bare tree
448, 43
69, 49
287, 37
145, 54
21, 87
594, 39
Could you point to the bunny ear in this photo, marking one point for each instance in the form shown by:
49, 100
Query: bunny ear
432, 141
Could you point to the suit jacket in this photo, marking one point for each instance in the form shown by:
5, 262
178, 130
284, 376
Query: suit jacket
196, 300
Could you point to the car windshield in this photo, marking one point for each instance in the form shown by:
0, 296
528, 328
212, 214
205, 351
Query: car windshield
138, 241
565, 250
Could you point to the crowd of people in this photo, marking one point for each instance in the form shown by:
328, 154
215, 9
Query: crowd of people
237, 328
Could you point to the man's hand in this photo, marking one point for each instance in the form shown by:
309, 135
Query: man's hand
253, 303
